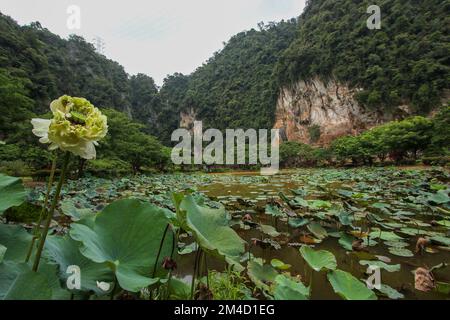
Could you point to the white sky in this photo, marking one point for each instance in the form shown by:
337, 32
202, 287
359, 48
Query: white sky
155, 37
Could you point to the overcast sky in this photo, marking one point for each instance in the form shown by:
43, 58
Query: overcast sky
155, 37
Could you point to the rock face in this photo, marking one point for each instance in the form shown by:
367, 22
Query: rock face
316, 112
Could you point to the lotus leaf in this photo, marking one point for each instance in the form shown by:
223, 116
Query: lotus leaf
262, 275
127, 236
381, 265
287, 288
317, 230
12, 193
18, 282
65, 252
318, 260
280, 265
349, 287
17, 240
212, 232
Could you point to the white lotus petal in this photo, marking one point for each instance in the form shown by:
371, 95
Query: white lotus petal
40, 127
104, 286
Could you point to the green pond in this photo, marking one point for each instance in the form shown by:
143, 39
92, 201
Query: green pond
375, 214
230, 189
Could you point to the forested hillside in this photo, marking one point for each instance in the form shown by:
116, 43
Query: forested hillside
37, 66
407, 61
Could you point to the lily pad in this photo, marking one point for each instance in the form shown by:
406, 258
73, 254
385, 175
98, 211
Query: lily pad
401, 252
298, 222
441, 239
397, 244
385, 235
262, 275
69, 209
317, 230
318, 260
346, 241
286, 288
65, 252
274, 211
127, 236
381, 265
349, 287
390, 292
280, 265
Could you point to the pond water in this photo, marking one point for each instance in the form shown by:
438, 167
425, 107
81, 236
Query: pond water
391, 195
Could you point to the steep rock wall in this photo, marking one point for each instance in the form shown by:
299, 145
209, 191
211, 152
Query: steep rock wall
316, 112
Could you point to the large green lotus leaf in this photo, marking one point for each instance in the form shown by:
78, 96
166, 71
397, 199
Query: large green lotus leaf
349, 287
319, 204
262, 275
2, 252
127, 235
401, 252
318, 260
12, 192
179, 290
381, 265
18, 282
317, 230
280, 265
212, 232
287, 288
65, 252
50, 272
17, 240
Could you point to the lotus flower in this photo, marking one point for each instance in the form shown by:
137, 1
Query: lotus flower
76, 127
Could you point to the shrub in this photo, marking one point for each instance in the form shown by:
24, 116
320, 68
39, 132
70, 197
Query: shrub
108, 167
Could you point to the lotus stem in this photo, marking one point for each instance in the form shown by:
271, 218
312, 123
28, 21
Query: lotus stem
159, 250
51, 212
195, 272
37, 227
174, 241
207, 270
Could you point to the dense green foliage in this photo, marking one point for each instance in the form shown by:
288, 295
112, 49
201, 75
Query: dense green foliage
403, 140
406, 61
127, 142
37, 66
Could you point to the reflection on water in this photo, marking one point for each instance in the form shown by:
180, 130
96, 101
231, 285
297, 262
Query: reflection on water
256, 190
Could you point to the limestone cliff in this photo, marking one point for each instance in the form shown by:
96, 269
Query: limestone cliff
316, 112
187, 118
